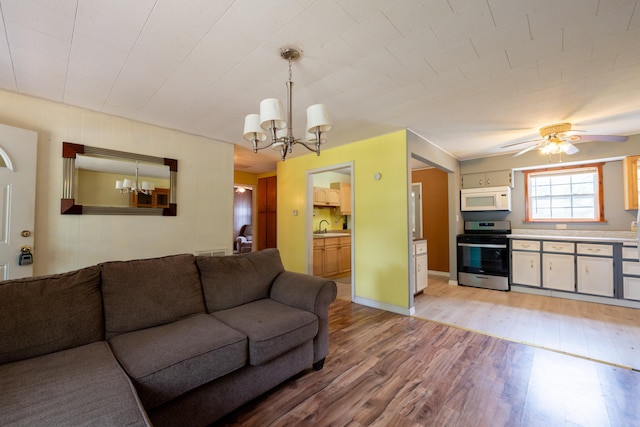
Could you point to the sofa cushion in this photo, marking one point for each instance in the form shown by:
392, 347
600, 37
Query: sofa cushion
80, 386
149, 292
168, 360
273, 328
234, 280
40, 315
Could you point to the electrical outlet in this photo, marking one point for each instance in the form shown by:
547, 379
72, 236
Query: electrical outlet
561, 226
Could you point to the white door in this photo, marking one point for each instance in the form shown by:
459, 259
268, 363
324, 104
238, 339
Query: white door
18, 149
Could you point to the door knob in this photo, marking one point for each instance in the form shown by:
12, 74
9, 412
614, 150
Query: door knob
25, 233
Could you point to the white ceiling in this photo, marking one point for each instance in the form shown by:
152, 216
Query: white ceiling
469, 76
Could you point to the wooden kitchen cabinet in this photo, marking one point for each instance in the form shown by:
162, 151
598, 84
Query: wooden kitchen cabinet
345, 196
487, 179
326, 196
318, 257
331, 256
630, 182
344, 255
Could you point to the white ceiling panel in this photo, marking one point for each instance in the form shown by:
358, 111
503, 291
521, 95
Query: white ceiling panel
468, 75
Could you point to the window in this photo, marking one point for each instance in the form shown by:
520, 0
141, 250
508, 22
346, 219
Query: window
564, 194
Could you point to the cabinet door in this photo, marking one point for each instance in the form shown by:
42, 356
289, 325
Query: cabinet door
558, 272
319, 196
318, 261
525, 268
333, 197
595, 276
331, 257
473, 180
344, 258
498, 178
421, 272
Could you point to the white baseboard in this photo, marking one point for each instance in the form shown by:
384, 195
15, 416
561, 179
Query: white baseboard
384, 306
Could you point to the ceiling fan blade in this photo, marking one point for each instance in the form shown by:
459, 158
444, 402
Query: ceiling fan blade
571, 149
609, 138
521, 152
522, 142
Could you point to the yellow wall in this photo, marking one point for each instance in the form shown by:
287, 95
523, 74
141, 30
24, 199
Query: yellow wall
380, 223
245, 178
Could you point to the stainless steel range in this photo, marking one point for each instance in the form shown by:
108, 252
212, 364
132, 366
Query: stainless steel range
483, 254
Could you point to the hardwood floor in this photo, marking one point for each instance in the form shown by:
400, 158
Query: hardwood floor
599, 332
385, 369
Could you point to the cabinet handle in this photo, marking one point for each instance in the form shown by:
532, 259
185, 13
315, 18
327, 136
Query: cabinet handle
594, 249
488, 181
586, 268
479, 182
550, 266
531, 263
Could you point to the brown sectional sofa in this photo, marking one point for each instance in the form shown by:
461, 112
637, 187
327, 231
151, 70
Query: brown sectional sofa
176, 341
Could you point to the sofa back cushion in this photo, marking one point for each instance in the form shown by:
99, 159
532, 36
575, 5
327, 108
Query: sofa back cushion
234, 280
40, 315
149, 292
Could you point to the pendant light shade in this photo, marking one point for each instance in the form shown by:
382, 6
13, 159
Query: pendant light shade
252, 128
272, 119
318, 118
272, 114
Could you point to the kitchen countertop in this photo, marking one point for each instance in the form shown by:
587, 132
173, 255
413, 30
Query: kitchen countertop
330, 234
583, 235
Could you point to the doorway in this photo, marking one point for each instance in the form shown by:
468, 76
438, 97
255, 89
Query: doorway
243, 199
331, 225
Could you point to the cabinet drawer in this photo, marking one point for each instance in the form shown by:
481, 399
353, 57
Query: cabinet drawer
331, 241
630, 267
589, 249
562, 247
345, 241
318, 243
525, 245
631, 288
629, 252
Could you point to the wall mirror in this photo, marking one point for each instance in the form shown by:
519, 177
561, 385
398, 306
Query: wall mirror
99, 181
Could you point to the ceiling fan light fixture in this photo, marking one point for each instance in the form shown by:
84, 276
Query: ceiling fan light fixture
554, 129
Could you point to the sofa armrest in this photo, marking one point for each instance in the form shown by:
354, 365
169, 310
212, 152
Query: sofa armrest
304, 291
309, 293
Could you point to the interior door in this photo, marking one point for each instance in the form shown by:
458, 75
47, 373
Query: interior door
18, 149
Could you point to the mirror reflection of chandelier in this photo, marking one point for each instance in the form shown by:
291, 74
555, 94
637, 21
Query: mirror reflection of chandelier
129, 186
272, 119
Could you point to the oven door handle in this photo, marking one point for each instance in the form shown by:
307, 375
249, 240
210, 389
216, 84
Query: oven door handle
482, 245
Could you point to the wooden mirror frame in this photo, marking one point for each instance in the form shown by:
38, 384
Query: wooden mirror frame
67, 203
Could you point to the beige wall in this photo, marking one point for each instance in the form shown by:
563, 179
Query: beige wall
65, 242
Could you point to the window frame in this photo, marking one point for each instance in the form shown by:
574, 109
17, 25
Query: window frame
599, 217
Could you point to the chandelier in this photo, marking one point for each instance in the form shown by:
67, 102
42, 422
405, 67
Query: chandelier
272, 119
129, 186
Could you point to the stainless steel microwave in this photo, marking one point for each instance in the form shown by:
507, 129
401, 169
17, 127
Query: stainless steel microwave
485, 199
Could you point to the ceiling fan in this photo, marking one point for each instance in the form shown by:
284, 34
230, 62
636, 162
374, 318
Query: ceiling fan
560, 138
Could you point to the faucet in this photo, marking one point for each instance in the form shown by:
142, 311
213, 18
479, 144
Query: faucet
320, 226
